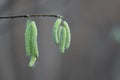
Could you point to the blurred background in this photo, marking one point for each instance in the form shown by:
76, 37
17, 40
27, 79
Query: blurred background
94, 53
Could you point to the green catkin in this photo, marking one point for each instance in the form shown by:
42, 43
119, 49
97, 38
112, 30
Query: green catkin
63, 40
55, 30
31, 41
68, 33
34, 46
27, 37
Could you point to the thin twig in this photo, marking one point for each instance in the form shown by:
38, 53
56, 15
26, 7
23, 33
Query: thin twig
32, 15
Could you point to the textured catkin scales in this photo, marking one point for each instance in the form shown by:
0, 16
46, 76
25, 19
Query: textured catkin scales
63, 40
59, 33
55, 30
68, 34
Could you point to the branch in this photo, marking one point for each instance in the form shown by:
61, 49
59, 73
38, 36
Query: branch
32, 15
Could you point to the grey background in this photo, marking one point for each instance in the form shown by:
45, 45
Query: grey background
93, 54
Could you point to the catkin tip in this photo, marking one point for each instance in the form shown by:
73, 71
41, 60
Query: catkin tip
32, 61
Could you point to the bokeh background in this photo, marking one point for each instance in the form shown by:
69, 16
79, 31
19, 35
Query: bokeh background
95, 48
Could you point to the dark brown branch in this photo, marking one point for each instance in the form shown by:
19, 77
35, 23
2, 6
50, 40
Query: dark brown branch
32, 15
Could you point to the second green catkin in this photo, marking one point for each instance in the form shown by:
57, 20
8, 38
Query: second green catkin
68, 34
62, 40
34, 46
